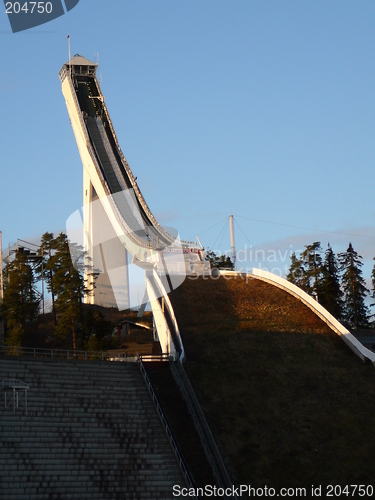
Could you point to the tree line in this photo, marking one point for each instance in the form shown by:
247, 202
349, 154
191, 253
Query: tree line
336, 282
67, 284
219, 261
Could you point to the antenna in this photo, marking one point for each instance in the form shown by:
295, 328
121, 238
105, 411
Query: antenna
232, 242
100, 75
70, 65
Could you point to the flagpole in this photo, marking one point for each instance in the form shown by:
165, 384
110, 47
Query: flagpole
70, 66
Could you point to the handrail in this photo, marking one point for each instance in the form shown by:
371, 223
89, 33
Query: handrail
131, 176
90, 145
38, 352
14, 383
19, 393
208, 442
176, 450
94, 157
110, 197
154, 357
111, 156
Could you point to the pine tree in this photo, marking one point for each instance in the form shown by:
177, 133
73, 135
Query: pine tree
313, 266
95, 330
21, 300
331, 293
45, 269
69, 287
296, 273
373, 283
219, 262
354, 288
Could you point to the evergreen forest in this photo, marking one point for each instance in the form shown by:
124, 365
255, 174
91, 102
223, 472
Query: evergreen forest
335, 281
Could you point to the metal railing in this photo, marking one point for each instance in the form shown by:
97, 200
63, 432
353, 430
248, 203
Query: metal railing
38, 352
18, 394
153, 357
181, 461
207, 440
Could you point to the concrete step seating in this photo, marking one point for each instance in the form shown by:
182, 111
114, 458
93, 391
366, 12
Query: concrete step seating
91, 432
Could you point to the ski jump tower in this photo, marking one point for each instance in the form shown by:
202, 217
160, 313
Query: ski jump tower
118, 226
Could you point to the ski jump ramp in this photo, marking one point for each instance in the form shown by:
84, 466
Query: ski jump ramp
116, 226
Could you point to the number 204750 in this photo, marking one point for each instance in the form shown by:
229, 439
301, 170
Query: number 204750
349, 490
28, 7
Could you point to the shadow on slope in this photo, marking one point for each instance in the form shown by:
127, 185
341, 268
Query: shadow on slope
288, 402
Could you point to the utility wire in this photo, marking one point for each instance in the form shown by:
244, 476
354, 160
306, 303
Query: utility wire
222, 231
5, 236
225, 230
239, 227
306, 228
205, 230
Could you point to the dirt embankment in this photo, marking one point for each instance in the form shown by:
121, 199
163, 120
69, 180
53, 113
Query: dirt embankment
288, 402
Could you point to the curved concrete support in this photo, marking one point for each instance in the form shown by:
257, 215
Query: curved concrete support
164, 334
168, 305
359, 349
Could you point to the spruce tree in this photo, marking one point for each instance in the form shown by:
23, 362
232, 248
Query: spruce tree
296, 272
45, 269
219, 262
313, 266
331, 293
373, 280
21, 301
355, 310
69, 287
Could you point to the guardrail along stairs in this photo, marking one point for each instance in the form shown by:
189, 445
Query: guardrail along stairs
91, 432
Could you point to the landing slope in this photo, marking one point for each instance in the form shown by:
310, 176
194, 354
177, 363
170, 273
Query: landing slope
288, 402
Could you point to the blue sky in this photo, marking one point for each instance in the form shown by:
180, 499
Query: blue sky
260, 109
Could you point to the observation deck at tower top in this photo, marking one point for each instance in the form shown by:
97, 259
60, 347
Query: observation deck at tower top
86, 67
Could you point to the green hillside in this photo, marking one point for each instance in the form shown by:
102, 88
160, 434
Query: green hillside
288, 402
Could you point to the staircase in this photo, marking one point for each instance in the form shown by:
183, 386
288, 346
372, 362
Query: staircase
91, 432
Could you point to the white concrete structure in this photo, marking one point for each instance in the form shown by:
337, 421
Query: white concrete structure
116, 219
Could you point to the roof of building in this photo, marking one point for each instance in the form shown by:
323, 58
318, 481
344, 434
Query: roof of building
78, 60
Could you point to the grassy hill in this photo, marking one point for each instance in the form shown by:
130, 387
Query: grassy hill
288, 402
